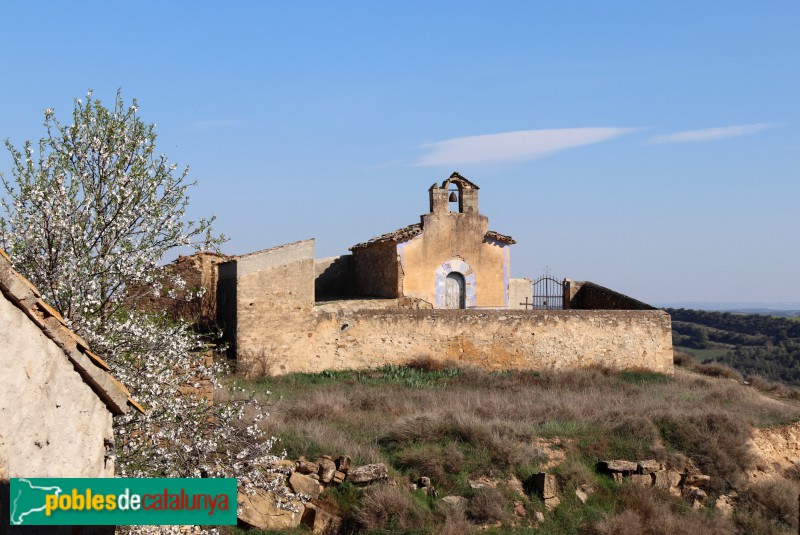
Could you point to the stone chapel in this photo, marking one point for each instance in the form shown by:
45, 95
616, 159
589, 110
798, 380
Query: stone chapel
450, 259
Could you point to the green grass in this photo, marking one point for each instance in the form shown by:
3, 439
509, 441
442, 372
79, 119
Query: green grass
704, 355
640, 377
455, 424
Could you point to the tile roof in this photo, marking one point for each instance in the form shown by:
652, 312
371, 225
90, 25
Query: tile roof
397, 236
406, 233
502, 238
92, 369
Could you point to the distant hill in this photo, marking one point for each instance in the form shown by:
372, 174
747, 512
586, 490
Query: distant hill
773, 308
754, 344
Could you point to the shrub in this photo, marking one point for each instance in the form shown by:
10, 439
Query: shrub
572, 474
624, 437
683, 359
717, 443
455, 523
780, 390
427, 364
431, 460
391, 510
771, 504
487, 506
715, 369
648, 512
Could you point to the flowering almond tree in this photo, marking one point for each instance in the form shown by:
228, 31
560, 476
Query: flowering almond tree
87, 215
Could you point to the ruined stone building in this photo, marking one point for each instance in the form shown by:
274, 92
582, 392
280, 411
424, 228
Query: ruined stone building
57, 398
440, 289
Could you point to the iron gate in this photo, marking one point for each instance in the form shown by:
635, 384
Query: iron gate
548, 293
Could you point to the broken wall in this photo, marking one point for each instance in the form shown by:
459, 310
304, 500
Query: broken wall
274, 298
377, 271
333, 277
585, 295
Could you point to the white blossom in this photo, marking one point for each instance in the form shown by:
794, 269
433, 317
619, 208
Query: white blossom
88, 224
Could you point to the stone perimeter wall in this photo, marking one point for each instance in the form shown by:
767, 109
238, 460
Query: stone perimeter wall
494, 339
279, 329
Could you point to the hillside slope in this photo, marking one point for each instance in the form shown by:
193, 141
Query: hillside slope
754, 344
480, 436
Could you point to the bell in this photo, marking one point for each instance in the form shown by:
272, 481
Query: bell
453, 197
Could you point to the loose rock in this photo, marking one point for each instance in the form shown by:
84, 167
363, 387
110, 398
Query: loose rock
343, 463
302, 484
320, 521
482, 482
694, 495
367, 473
544, 484
261, 511
649, 466
696, 480
307, 467
455, 501
641, 480
725, 504
326, 470
619, 465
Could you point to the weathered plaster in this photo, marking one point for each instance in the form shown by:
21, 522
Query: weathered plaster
53, 424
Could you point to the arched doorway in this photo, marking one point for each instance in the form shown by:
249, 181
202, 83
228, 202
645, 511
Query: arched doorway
462, 285
455, 291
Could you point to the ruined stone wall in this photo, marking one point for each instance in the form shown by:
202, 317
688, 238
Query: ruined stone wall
585, 295
333, 277
226, 305
274, 303
197, 271
51, 422
453, 236
377, 271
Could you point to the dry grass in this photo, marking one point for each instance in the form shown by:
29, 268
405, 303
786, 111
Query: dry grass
487, 506
682, 358
773, 388
452, 424
714, 369
647, 512
768, 506
385, 508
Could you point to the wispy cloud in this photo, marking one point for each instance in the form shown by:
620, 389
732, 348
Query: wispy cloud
507, 146
213, 124
707, 134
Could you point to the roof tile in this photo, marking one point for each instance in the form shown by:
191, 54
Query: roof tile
93, 370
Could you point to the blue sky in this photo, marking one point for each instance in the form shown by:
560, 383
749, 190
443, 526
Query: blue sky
652, 147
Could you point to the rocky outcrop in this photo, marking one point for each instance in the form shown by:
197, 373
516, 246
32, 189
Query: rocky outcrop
369, 473
262, 510
307, 480
651, 473
776, 450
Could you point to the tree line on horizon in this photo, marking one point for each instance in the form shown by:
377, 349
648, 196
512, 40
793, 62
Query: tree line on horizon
757, 344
